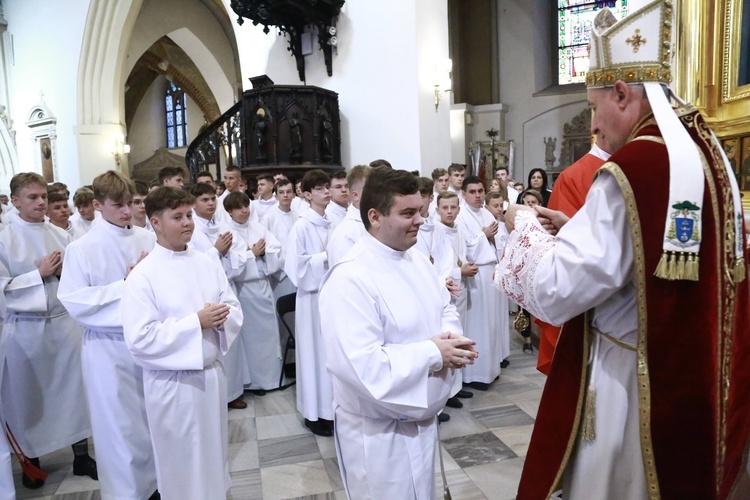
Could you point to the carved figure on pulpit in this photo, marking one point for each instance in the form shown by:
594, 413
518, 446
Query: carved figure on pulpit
327, 139
295, 139
260, 134
550, 143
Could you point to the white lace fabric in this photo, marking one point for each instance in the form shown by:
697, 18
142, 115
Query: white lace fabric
515, 275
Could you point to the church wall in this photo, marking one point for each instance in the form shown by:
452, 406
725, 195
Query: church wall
46, 49
524, 38
148, 132
197, 32
381, 74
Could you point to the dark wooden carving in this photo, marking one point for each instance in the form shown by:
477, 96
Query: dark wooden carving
290, 128
292, 17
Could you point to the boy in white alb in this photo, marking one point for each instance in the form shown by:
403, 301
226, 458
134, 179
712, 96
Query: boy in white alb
95, 269
279, 220
42, 388
215, 239
84, 203
261, 335
351, 229
58, 212
140, 219
306, 263
180, 317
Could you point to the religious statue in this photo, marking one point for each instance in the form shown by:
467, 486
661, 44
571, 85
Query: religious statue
550, 143
260, 134
295, 139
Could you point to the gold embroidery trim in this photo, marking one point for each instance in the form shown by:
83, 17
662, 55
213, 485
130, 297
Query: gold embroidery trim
639, 278
725, 248
577, 421
652, 138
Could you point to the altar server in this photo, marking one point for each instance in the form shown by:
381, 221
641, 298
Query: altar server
180, 317
93, 280
261, 334
351, 228
279, 220
484, 319
306, 263
215, 238
340, 198
393, 343
265, 200
42, 388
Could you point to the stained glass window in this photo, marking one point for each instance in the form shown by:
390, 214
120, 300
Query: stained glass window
574, 21
176, 110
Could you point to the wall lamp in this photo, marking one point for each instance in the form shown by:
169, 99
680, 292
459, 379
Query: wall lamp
119, 148
442, 79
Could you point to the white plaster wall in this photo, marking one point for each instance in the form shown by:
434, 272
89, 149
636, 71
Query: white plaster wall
46, 48
380, 73
148, 132
547, 124
518, 29
197, 32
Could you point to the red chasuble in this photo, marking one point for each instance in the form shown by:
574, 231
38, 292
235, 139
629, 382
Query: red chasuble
693, 346
568, 196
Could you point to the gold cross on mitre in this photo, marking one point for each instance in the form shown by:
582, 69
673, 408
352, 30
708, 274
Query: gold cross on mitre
636, 40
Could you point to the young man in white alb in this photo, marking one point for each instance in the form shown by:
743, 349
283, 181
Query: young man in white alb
440, 181
351, 229
306, 263
393, 344
279, 220
266, 200
95, 269
180, 317
340, 198
483, 315
44, 401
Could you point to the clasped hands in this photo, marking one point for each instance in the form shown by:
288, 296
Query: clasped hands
457, 351
551, 220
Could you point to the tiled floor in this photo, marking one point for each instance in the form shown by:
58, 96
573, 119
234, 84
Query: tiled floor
273, 456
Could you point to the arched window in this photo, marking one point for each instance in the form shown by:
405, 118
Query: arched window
176, 110
574, 21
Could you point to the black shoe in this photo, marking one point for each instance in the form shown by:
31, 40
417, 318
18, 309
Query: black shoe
155, 496
454, 403
443, 417
85, 466
528, 348
318, 428
464, 394
480, 386
327, 423
257, 392
32, 484
504, 363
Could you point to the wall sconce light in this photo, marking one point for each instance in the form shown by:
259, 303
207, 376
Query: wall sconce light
442, 79
119, 148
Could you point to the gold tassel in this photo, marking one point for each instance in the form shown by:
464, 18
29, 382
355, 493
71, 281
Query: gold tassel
672, 266
691, 268
661, 268
588, 431
681, 261
739, 270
